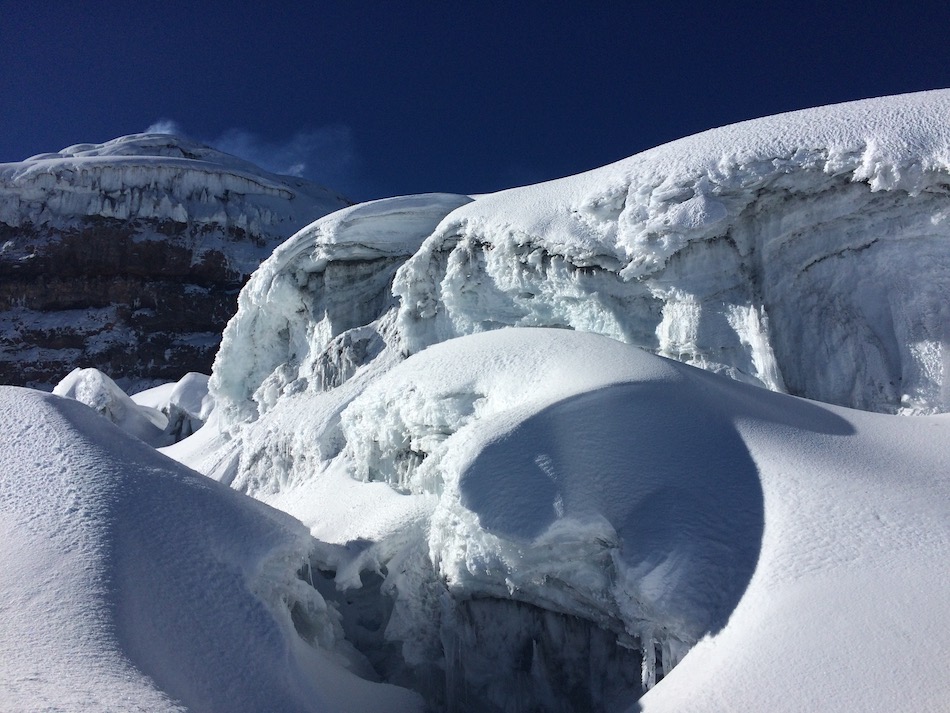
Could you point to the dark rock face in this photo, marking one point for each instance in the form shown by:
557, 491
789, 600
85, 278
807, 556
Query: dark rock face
142, 294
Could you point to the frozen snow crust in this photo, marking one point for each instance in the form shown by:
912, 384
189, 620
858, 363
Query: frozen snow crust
805, 252
132, 583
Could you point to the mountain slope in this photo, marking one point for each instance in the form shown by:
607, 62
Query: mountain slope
127, 256
128, 582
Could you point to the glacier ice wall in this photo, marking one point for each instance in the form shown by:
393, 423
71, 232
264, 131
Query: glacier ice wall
520, 479
805, 252
329, 282
128, 256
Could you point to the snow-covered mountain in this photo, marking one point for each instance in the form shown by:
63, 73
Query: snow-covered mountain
127, 256
505, 518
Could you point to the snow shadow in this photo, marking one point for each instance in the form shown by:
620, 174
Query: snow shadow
665, 466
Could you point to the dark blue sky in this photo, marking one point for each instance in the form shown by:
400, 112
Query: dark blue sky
384, 98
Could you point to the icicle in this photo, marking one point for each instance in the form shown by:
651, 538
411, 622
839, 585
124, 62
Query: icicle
648, 670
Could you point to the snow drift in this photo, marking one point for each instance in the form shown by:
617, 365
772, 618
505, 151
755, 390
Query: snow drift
132, 583
545, 519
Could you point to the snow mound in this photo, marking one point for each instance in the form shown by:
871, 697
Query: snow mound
100, 393
185, 403
566, 486
558, 498
131, 583
805, 252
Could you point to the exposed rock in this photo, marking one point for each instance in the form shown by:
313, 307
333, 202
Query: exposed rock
128, 256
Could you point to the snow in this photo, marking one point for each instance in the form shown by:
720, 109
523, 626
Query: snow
161, 178
538, 470
185, 403
500, 485
332, 276
132, 583
100, 393
160, 416
804, 252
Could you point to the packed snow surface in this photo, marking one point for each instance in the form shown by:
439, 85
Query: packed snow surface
132, 583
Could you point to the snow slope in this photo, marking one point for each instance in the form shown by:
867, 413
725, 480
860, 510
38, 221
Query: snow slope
805, 252
131, 583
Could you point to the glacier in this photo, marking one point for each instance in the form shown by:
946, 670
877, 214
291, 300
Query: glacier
517, 490
483, 487
161, 178
128, 256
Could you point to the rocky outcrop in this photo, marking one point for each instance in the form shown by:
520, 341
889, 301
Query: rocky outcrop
128, 256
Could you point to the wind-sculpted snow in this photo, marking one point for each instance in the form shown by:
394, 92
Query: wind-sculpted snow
102, 395
566, 486
504, 508
333, 276
132, 583
517, 519
807, 252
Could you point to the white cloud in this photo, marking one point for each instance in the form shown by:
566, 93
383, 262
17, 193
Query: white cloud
164, 126
326, 155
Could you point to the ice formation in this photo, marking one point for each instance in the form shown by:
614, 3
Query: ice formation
159, 416
305, 318
513, 519
185, 403
103, 395
804, 252
128, 256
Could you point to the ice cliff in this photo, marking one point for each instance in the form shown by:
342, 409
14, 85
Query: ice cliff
805, 252
127, 255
